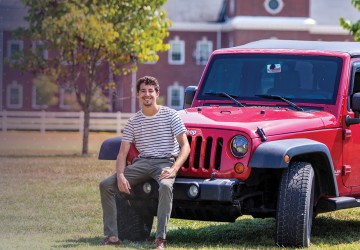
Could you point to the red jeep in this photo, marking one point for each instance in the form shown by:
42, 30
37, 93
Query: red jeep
274, 132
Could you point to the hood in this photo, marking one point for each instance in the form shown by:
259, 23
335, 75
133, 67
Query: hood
247, 119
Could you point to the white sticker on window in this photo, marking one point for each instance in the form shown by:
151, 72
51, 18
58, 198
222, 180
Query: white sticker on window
273, 68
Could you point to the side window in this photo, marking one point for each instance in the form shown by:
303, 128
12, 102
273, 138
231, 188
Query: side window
13, 47
175, 96
177, 52
14, 95
36, 102
354, 87
203, 51
67, 98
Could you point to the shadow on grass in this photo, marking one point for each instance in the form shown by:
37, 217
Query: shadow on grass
246, 233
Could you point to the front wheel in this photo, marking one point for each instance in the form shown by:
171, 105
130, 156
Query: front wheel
295, 206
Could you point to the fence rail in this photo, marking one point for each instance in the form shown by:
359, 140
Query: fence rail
72, 121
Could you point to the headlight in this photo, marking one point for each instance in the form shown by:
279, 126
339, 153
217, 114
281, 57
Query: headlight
239, 146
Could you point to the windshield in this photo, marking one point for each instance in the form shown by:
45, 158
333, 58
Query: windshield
299, 78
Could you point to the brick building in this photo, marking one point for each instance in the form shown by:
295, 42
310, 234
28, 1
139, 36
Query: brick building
199, 27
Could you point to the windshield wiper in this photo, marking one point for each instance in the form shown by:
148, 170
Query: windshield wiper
277, 97
231, 97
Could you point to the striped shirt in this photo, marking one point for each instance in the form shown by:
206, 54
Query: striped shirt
155, 136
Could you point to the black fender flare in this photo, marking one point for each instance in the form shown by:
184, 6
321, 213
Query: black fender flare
110, 148
270, 155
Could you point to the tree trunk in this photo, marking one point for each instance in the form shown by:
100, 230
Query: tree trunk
85, 144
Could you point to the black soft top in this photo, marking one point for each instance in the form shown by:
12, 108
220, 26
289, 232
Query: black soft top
352, 48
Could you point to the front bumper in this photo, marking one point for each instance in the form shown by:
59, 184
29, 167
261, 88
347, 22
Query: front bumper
215, 200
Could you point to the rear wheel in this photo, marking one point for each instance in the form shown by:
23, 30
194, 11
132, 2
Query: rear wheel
295, 206
133, 224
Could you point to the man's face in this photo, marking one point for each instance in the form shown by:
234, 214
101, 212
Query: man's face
147, 95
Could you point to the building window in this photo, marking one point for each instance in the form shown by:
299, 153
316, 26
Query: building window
14, 47
67, 98
36, 102
38, 48
203, 51
273, 6
177, 52
14, 95
175, 97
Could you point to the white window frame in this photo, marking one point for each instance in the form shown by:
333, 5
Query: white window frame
62, 104
10, 43
181, 44
33, 100
14, 85
199, 53
170, 97
37, 44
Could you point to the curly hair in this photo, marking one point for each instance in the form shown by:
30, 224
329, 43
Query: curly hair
148, 80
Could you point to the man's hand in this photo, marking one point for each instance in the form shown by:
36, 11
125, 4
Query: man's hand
168, 173
123, 184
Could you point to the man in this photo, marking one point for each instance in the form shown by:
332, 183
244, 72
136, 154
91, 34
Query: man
159, 135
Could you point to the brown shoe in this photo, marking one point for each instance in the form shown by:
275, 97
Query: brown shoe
160, 244
107, 242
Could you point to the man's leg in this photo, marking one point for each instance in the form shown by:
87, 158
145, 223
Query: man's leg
164, 206
165, 196
108, 190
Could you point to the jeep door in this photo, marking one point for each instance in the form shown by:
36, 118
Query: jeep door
351, 155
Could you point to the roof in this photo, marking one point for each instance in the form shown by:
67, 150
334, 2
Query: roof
352, 48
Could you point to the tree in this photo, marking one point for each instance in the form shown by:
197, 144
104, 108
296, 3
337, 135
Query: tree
89, 37
354, 28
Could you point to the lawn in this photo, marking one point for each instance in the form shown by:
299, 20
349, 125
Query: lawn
49, 199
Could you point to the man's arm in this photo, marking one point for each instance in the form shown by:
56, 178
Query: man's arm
183, 155
122, 182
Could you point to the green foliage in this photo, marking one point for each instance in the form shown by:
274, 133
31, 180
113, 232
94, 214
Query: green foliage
84, 38
86, 32
353, 28
46, 90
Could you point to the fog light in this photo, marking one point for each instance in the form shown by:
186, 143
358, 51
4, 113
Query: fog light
239, 168
147, 188
193, 191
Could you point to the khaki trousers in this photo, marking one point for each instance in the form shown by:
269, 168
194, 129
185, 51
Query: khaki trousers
139, 171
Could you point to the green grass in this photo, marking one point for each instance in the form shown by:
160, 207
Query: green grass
49, 199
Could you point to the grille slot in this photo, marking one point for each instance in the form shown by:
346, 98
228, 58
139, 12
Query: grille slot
197, 155
208, 153
219, 146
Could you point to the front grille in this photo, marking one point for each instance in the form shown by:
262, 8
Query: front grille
205, 152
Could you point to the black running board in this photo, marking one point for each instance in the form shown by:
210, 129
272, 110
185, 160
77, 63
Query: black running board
337, 203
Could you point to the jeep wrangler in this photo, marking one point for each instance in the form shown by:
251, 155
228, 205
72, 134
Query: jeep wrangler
274, 131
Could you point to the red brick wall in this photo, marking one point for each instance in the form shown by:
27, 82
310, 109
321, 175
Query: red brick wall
292, 8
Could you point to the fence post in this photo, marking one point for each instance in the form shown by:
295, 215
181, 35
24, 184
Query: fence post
42, 125
118, 122
4, 120
81, 122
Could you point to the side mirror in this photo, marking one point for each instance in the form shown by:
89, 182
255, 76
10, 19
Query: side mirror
189, 96
355, 102
355, 106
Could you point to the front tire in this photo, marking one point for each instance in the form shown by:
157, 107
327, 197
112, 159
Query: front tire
295, 206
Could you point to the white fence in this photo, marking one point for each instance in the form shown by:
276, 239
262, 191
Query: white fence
72, 121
